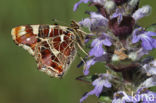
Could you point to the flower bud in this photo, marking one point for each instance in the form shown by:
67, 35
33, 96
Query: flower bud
133, 3
142, 12
109, 6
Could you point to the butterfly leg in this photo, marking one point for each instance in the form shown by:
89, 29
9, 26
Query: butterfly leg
83, 60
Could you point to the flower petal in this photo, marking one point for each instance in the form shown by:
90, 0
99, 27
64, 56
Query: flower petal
149, 33
99, 83
86, 96
78, 3
140, 13
150, 82
107, 84
118, 14
97, 16
87, 22
106, 42
97, 51
147, 43
150, 68
103, 81
136, 37
98, 90
94, 42
88, 64
96, 22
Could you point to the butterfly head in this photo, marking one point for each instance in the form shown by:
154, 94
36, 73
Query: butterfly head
80, 35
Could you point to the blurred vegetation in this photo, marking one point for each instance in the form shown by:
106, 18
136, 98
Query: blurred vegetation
20, 82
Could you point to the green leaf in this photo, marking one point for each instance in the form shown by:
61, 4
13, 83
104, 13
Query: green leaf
151, 28
153, 89
87, 79
105, 99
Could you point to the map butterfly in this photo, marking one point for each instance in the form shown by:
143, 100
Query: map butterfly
53, 46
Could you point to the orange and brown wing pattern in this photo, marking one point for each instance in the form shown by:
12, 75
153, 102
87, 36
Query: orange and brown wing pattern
47, 61
25, 36
52, 46
57, 51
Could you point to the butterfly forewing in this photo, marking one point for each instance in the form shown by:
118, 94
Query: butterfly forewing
52, 46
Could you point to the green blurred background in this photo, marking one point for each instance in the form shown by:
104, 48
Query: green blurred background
20, 82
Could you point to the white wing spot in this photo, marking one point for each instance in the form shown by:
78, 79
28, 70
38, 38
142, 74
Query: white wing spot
28, 39
62, 38
35, 29
21, 32
13, 34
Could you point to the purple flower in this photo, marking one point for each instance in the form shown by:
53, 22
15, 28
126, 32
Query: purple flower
96, 22
99, 84
97, 45
140, 13
86, 1
136, 55
148, 43
78, 3
118, 11
118, 14
141, 52
88, 64
150, 68
92, 61
150, 82
109, 6
119, 21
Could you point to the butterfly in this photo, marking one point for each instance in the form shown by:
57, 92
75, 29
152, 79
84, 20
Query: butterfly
53, 46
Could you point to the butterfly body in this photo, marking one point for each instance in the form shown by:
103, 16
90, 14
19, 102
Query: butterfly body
53, 46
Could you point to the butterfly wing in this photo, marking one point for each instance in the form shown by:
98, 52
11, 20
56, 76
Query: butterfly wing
25, 36
52, 46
